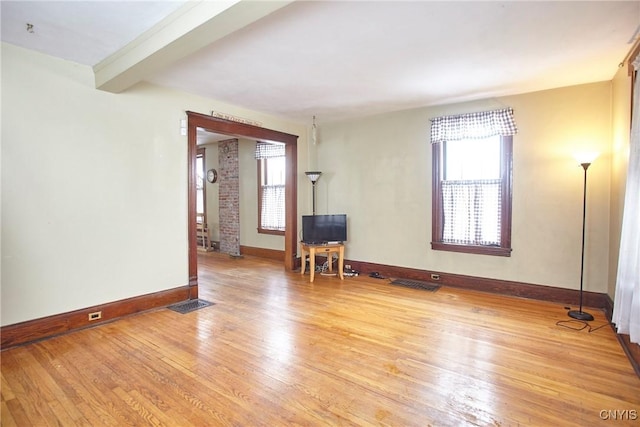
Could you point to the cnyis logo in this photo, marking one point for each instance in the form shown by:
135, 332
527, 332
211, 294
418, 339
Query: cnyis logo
619, 414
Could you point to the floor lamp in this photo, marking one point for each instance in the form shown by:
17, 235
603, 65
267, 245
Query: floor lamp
585, 161
314, 176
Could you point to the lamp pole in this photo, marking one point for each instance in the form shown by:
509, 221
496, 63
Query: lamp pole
579, 314
313, 185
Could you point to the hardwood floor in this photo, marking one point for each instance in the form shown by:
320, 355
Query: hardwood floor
276, 350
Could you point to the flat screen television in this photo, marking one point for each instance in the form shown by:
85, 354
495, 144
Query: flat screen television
317, 229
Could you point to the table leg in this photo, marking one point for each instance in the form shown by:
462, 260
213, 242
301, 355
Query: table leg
312, 263
341, 263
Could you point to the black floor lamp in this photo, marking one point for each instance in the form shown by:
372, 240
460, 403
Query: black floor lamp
585, 161
314, 176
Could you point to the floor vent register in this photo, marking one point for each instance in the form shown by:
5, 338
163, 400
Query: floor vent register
189, 305
416, 284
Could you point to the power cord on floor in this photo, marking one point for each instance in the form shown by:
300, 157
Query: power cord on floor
324, 270
579, 325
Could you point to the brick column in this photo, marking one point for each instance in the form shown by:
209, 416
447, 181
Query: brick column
229, 196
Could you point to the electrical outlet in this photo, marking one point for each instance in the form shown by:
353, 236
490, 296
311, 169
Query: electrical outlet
347, 266
95, 315
435, 277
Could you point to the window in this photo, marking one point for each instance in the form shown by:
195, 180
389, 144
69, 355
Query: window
271, 188
471, 188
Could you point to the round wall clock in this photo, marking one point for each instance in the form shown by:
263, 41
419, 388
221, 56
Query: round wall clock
212, 175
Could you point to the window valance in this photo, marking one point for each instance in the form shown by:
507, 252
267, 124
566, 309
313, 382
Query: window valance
478, 125
265, 150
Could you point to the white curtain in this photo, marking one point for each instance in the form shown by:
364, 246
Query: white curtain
626, 311
273, 217
471, 212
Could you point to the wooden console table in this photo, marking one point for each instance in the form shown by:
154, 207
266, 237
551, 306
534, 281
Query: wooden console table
327, 249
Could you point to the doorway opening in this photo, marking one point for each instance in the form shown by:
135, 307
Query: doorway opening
241, 130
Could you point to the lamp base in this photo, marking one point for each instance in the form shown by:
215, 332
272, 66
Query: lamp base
580, 315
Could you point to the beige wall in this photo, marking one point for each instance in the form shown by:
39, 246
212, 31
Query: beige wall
94, 186
378, 171
249, 235
212, 191
621, 118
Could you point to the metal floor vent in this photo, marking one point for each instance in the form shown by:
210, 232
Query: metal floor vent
189, 306
416, 284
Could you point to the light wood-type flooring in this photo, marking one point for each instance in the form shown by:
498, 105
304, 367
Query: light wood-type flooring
276, 350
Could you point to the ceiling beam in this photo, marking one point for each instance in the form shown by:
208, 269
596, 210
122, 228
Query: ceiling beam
190, 28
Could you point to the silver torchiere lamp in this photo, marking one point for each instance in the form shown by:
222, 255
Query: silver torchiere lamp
313, 177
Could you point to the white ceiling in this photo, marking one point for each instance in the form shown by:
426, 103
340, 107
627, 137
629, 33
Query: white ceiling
345, 59
85, 32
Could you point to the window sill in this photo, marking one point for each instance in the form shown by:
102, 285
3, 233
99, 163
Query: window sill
267, 231
471, 249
